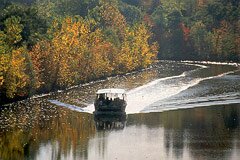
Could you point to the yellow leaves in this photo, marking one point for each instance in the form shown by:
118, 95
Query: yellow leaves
12, 61
78, 54
44, 64
136, 52
4, 63
1, 79
74, 54
13, 77
101, 65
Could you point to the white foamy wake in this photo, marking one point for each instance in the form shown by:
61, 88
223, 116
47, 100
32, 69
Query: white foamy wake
159, 89
210, 62
141, 98
230, 98
192, 64
138, 101
69, 106
214, 100
154, 82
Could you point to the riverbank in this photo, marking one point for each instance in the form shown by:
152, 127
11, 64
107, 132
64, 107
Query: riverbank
6, 101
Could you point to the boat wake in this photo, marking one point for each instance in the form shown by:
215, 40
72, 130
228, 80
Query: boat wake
144, 98
69, 106
229, 98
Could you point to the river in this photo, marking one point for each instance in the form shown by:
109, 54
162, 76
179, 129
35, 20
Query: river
176, 110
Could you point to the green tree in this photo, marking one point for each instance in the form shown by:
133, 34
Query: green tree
33, 26
13, 29
132, 13
223, 41
201, 41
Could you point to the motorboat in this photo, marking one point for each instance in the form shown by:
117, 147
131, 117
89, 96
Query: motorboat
110, 101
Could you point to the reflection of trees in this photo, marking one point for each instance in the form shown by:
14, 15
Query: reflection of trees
209, 131
231, 118
202, 130
25, 128
11, 146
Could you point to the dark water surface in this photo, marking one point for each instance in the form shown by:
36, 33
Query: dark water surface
175, 110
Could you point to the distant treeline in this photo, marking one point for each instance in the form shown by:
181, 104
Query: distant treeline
53, 44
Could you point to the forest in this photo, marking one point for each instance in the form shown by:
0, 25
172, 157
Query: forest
47, 45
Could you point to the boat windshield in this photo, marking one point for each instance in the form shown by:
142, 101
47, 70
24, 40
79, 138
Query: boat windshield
111, 96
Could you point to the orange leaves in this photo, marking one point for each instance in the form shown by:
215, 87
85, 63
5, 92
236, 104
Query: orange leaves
43, 64
100, 65
186, 31
1, 79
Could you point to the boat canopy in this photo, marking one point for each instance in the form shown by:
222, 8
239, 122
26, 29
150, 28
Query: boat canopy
111, 91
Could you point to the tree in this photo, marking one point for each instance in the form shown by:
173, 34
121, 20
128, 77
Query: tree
12, 73
223, 41
201, 41
75, 54
136, 52
15, 76
132, 14
108, 15
33, 26
13, 29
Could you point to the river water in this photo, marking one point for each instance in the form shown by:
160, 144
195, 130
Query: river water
176, 110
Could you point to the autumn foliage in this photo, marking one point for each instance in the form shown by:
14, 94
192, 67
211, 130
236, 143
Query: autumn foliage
77, 52
50, 45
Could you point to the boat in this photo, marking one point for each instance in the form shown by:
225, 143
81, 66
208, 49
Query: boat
110, 101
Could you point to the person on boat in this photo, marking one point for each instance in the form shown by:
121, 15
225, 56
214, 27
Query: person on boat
101, 99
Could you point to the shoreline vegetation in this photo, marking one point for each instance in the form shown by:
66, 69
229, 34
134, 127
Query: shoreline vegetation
43, 94
50, 45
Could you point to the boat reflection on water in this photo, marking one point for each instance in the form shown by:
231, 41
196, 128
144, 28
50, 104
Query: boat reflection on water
110, 121
110, 107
